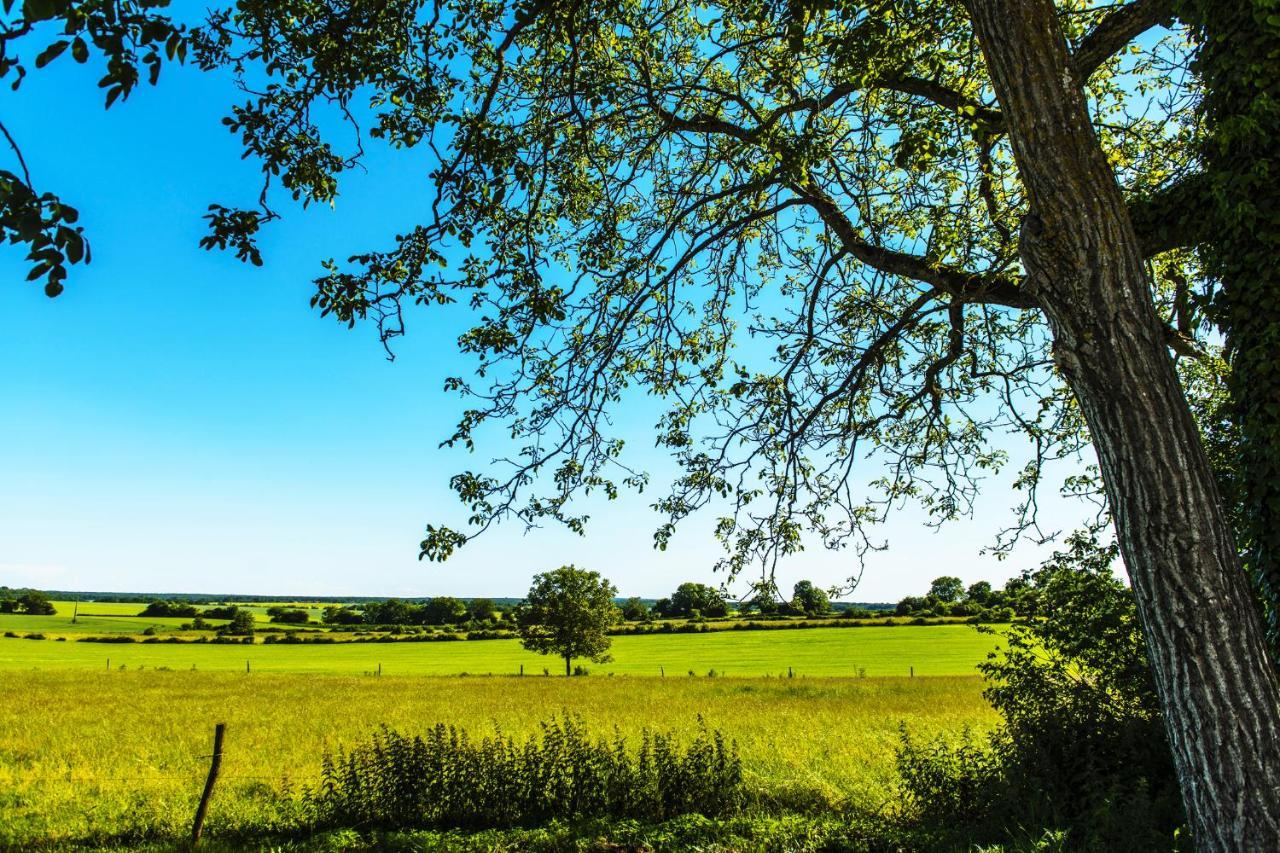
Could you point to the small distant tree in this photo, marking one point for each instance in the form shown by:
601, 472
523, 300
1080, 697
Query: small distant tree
337, 615
444, 610
8, 605
160, 608
909, 605
763, 600
36, 603
809, 600
289, 615
947, 588
482, 609
978, 593
689, 597
242, 624
662, 607
224, 612
393, 611
567, 613
635, 610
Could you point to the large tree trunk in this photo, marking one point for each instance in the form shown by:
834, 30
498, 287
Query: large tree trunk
1218, 691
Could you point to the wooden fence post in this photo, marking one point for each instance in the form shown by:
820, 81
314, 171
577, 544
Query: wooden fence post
913, 672
219, 730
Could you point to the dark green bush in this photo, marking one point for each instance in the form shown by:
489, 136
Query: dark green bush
1083, 746
446, 779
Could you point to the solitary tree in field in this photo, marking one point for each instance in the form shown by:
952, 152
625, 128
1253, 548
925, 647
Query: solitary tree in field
828, 234
809, 600
568, 613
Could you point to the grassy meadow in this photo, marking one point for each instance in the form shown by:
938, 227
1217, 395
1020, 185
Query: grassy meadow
112, 617
94, 756
98, 754
870, 651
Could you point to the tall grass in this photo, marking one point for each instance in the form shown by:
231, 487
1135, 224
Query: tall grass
446, 778
87, 755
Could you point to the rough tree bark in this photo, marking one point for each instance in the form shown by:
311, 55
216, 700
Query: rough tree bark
1219, 692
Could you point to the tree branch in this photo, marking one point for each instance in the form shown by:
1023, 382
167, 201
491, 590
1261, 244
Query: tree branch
1117, 30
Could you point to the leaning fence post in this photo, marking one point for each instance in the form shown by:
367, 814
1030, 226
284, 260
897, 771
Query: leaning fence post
219, 730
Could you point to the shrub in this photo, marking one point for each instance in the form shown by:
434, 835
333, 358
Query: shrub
1083, 746
169, 609
289, 615
36, 603
242, 624
446, 779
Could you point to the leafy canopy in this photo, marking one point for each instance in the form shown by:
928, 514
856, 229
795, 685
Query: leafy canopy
567, 613
792, 224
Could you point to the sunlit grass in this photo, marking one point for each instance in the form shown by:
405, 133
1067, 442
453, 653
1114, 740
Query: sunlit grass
89, 754
872, 651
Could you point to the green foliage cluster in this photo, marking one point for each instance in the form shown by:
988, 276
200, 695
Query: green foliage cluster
241, 624
693, 600
447, 779
441, 610
808, 600
568, 613
167, 609
1083, 747
948, 596
130, 35
289, 615
31, 602
1236, 61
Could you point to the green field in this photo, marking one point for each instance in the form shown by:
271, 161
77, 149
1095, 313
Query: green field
873, 651
94, 756
109, 617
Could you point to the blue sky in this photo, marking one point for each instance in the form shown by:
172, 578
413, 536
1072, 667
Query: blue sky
178, 421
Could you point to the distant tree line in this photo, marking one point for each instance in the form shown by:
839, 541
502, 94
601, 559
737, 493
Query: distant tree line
442, 610
948, 596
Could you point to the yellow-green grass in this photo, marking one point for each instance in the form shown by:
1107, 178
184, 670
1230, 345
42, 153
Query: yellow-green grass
92, 617
871, 651
93, 755
110, 617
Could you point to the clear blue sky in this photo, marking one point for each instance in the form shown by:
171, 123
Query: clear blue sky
177, 421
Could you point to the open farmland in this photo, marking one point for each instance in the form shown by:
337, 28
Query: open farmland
870, 651
131, 763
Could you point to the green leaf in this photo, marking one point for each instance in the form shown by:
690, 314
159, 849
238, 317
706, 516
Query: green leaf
50, 53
